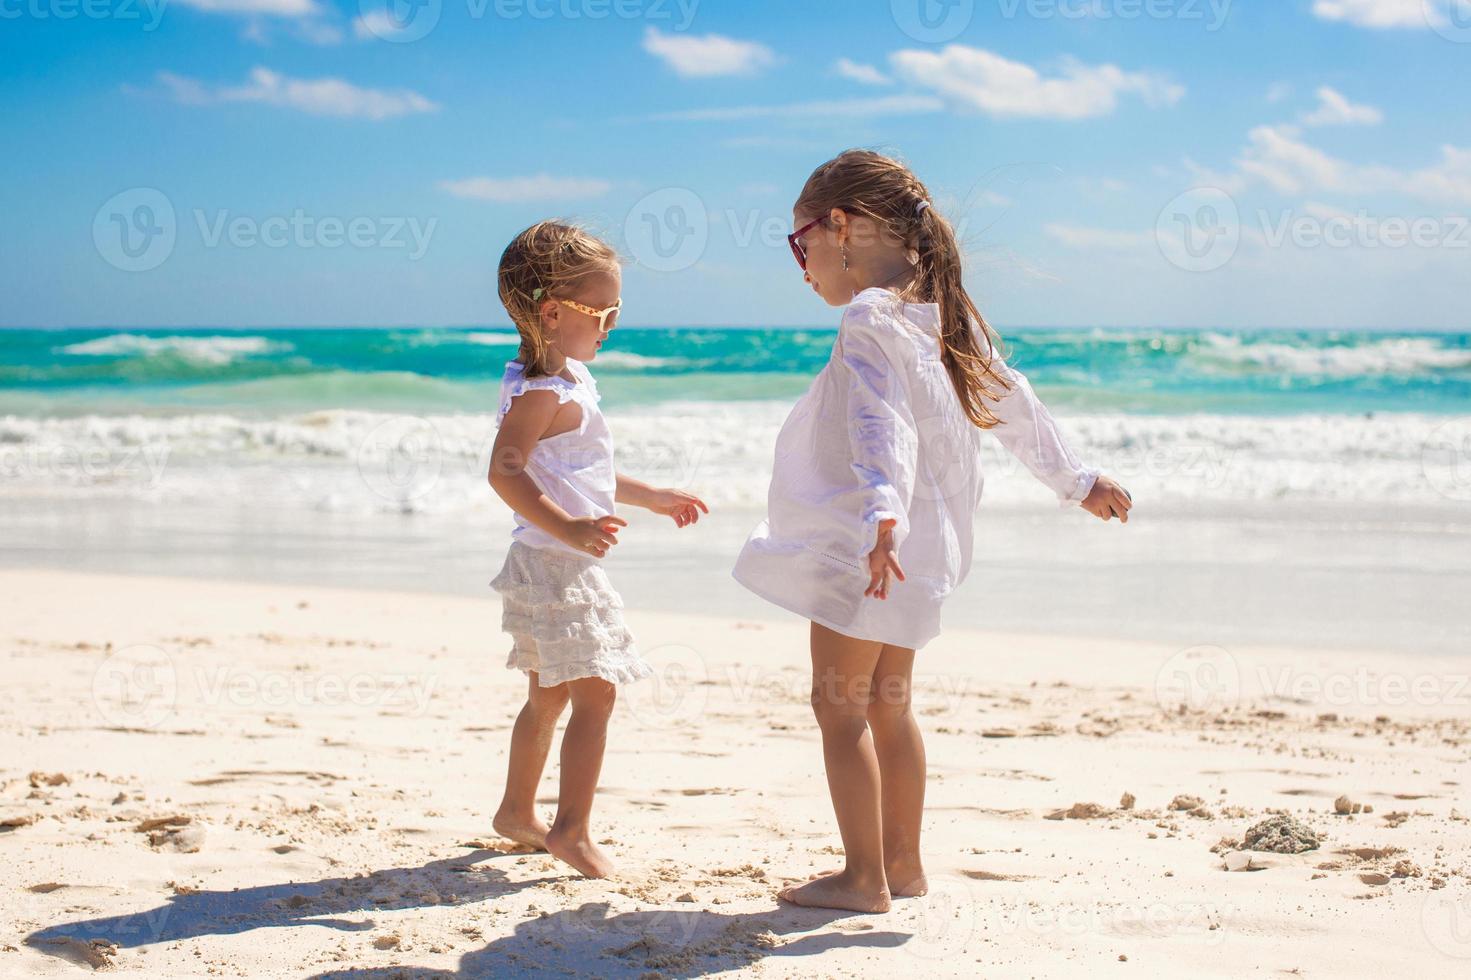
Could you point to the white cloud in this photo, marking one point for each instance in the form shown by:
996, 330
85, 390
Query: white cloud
855, 71
264, 8
708, 55
318, 32
1201, 176
1378, 13
306, 20
1080, 236
1449, 179
892, 105
375, 24
185, 91
984, 81
1278, 91
1335, 110
541, 187
318, 96
1277, 156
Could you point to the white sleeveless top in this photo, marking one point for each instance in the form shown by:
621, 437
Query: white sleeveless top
575, 468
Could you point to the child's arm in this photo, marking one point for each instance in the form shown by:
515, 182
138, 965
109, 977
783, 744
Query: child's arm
525, 422
683, 507
883, 438
1029, 433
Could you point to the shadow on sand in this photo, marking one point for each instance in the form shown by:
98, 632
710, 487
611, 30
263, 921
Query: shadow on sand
668, 943
453, 881
685, 942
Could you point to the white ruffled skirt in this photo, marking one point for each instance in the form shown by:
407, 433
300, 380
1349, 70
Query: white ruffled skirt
565, 619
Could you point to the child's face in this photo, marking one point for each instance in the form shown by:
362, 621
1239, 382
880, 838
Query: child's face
825, 273
575, 333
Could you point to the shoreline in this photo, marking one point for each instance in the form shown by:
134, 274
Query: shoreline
1305, 575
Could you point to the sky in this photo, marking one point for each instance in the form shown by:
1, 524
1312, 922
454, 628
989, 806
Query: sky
1129, 163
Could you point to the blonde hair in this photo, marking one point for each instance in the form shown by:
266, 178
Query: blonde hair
543, 262
869, 183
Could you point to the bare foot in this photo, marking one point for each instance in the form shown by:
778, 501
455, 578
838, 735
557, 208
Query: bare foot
837, 891
907, 880
579, 851
531, 832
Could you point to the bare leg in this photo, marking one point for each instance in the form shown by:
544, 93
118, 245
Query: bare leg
900, 749
582, 760
842, 676
531, 742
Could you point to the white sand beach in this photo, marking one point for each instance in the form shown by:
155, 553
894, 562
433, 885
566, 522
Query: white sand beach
203, 778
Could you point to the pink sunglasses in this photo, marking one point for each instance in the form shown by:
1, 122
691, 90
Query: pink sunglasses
799, 251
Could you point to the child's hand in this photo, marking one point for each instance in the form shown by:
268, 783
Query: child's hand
882, 563
1108, 500
683, 507
594, 535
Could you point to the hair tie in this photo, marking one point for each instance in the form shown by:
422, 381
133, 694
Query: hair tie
536, 294
920, 208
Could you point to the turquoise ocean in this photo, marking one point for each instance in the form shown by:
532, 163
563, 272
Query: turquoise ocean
401, 419
260, 372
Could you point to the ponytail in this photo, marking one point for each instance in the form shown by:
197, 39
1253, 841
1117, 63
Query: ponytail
967, 345
869, 183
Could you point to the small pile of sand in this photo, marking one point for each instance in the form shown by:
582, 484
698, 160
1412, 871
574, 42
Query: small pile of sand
1190, 804
1080, 811
1282, 834
176, 832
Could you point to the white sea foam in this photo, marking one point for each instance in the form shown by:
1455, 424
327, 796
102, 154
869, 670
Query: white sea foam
1389, 356
367, 461
493, 338
214, 350
641, 362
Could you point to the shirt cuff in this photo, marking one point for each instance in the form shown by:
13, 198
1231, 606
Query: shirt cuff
871, 530
1080, 489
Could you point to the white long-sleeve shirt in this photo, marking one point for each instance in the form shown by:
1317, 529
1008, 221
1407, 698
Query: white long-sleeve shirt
880, 435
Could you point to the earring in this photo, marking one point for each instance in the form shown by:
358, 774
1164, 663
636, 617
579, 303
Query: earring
845, 258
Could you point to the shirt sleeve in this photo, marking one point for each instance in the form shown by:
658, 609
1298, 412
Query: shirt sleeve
882, 435
512, 390
1029, 433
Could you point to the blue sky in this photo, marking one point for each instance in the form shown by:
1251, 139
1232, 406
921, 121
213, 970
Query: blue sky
1109, 162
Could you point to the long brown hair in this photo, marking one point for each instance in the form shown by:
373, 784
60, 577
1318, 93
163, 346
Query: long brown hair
544, 262
869, 183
